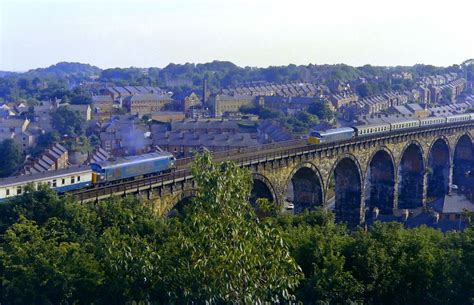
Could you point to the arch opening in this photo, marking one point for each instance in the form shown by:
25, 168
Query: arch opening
260, 190
348, 192
380, 187
463, 162
410, 178
304, 190
438, 170
181, 207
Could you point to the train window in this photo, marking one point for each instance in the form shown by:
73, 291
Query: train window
73, 180
55, 183
7, 192
18, 190
78, 178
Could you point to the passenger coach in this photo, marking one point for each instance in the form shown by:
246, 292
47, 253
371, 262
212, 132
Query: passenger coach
61, 180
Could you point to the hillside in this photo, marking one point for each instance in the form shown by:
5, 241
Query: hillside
68, 69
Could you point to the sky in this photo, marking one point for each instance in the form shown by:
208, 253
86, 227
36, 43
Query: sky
154, 33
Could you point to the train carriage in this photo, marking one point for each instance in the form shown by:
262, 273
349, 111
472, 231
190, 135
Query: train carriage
61, 180
406, 124
458, 118
432, 121
365, 130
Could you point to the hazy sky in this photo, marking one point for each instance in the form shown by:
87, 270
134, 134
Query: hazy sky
144, 33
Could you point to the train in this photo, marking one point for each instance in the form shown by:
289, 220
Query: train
97, 174
348, 133
133, 167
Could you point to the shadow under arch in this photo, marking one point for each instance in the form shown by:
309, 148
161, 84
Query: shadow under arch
438, 168
380, 182
262, 188
347, 180
411, 170
184, 202
304, 188
463, 162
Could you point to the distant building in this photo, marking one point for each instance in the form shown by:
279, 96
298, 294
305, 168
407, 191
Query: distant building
167, 116
17, 129
339, 100
118, 92
53, 158
184, 143
141, 104
373, 104
190, 101
288, 104
262, 88
418, 111
102, 106
221, 104
42, 115
7, 111
124, 135
396, 98
425, 95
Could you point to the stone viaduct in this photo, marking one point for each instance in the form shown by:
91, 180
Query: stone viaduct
391, 172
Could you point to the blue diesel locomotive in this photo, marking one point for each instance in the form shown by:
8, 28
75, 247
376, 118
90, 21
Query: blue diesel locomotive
133, 166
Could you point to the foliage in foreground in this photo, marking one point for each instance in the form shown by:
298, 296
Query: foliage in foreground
55, 251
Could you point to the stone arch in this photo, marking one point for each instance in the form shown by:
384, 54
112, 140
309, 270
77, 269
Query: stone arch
438, 168
262, 188
304, 187
379, 186
183, 200
463, 161
348, 180
411, 172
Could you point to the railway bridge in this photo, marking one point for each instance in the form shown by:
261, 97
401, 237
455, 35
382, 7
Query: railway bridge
391, 171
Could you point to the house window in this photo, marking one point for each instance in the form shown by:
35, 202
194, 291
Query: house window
73, 180
8, 192
78, 178
18, 190
55, 183
63, 181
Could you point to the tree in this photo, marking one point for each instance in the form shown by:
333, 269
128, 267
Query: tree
321, 109
40, 267
11, 157
364, 90
226, 254
68, 122
316, 243
307, 118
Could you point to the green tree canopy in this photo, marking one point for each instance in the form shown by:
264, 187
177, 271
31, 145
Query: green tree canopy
68, 122
11, 157
227, 254
321, 109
